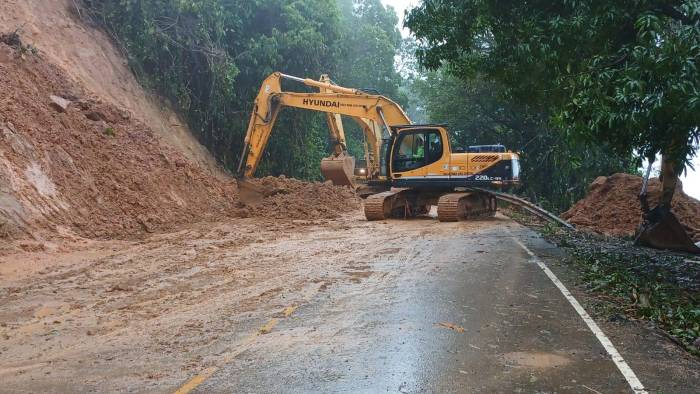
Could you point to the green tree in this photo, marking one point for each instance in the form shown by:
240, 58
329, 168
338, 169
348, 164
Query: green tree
369, 44
624, 73
208, 57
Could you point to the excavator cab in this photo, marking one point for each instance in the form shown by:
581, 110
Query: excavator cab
423, 171
421, 156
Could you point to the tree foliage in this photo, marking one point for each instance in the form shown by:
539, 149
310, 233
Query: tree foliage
370, 42
624, 73
208, 57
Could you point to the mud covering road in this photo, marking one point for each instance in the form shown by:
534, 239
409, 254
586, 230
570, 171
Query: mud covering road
341, 305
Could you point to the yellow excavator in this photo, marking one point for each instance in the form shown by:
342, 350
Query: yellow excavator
410, 167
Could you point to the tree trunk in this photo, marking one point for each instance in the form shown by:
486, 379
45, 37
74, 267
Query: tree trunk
669, 179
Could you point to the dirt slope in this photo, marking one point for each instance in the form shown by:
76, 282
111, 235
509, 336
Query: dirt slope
89, 57
90, 168
612, 206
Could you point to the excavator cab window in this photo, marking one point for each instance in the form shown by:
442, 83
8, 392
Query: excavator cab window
416, 149
384, 155
434, 147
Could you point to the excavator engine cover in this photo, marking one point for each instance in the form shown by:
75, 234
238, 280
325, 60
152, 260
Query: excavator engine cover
662, 230
339, 169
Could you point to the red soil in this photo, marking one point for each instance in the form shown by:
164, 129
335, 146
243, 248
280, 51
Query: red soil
612, 206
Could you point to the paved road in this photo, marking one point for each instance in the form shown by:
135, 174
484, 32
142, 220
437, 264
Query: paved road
329, 306
452, 310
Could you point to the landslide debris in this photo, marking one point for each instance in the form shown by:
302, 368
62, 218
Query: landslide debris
294, 199
70, 162
612, 207
66, 36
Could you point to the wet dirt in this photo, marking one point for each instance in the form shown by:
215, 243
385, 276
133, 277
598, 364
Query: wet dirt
281, 197
92, 171
93, 311
64, 36
66, 173
536, 360
612, 206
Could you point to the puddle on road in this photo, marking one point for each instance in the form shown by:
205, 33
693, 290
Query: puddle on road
535, 360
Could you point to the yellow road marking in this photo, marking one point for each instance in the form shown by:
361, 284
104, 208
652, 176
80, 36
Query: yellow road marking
267, 328
200, 378
289, 310
196, 381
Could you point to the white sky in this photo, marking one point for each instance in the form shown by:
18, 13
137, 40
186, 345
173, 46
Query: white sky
400, 6
691, 182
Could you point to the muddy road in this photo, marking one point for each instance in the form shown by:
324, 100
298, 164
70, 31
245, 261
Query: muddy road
253, 305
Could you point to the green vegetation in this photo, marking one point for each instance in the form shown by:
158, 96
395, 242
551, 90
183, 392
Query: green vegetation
620, 73
208, 57
641, 284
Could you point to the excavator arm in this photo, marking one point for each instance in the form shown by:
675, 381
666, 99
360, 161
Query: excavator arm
371, 112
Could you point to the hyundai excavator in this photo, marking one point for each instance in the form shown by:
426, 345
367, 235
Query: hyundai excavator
413, 167
413, 164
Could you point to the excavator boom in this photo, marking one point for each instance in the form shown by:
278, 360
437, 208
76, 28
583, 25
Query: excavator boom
371, 112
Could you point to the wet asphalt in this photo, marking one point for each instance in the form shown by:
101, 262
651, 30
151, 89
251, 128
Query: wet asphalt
459, 311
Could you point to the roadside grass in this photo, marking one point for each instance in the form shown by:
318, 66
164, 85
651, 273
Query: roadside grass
637, 282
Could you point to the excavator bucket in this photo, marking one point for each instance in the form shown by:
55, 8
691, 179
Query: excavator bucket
662, 230
339, 169
249, 193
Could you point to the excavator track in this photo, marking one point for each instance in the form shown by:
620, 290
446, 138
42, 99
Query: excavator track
379, 206
454, 207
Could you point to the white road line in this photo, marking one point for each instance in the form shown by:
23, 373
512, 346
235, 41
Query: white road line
620, 362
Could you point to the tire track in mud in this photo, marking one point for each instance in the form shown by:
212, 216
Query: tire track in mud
350, 275
171, 302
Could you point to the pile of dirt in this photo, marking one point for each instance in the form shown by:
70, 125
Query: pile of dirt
73, 164
290, 198
612, 207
